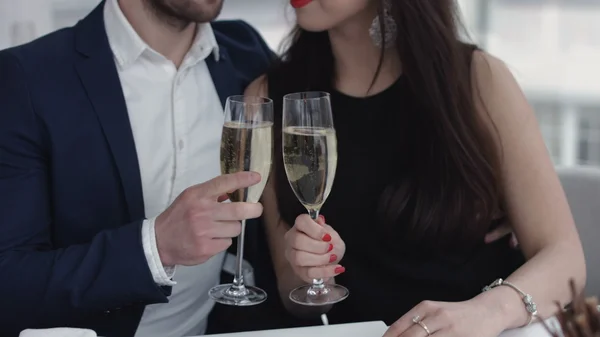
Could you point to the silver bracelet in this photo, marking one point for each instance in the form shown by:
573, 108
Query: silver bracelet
530, 305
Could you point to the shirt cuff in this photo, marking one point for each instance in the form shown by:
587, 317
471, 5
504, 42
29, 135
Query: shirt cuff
162, 274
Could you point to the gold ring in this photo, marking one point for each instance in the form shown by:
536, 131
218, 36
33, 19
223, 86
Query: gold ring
417, 320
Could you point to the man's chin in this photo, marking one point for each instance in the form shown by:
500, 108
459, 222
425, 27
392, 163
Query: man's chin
198, 11
201, 11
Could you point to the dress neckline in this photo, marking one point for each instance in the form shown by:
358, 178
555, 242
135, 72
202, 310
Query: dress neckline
390, 89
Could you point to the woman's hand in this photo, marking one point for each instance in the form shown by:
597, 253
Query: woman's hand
501, 231
459, 319
314, 249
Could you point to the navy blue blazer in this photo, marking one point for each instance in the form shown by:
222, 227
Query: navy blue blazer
71, 201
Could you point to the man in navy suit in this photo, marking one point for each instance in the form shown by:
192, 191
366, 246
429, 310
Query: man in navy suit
111, 212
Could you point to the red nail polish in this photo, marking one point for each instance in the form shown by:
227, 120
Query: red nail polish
330, 248
322, 218
332, 258
339, 270
326, 237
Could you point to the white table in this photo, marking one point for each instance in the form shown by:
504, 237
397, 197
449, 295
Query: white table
367, 329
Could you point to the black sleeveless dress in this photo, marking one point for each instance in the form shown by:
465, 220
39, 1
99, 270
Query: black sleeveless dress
385, 280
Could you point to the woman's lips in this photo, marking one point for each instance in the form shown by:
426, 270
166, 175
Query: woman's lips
299, 3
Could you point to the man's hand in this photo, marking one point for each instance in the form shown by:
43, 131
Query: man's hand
198, 225
500, 232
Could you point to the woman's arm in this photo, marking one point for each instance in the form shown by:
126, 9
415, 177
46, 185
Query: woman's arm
537, 209
276, 229
536, 204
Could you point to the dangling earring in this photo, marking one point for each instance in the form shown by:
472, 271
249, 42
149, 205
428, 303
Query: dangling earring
389, 36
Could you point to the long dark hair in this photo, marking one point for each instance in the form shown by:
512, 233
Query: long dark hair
453, 193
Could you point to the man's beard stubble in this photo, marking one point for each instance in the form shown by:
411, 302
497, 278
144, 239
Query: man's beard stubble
180, 13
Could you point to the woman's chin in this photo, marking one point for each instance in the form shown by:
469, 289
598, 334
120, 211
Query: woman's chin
311, 25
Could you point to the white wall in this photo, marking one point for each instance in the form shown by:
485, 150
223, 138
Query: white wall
273, 18
530, 39
552, 50
22, 20
269, 16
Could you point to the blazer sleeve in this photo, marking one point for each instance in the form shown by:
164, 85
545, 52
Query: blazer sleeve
250, 54
41, 286
268, 54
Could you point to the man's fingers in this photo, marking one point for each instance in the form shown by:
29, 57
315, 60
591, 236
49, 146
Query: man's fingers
498, 233
232, 211
226, 230
217, 246
227, 183
514, 242
222, 198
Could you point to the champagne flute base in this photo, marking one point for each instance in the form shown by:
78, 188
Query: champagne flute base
332, 293
230, 294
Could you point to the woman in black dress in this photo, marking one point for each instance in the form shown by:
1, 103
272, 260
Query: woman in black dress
436, 146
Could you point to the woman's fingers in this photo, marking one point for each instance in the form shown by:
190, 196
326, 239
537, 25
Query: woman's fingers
305, 259
300, 241
425, 328
311, 249
426, 312
311, 228
309, 273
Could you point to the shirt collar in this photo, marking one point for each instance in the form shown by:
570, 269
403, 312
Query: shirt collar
127, 46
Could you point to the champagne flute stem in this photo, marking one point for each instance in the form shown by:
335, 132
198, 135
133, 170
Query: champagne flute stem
238, 278
317, 284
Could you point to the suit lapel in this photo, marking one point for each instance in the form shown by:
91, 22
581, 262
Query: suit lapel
224, 76
98, 74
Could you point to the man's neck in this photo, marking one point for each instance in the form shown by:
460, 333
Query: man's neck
170, 38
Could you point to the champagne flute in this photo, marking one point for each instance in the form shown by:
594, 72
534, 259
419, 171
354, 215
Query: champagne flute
310, 161
246, 145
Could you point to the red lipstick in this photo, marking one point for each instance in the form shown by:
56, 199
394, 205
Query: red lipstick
299, 3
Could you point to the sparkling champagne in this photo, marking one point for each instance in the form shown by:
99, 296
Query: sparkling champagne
247, 147
310, 160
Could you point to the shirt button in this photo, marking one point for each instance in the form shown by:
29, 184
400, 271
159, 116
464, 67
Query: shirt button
181, 145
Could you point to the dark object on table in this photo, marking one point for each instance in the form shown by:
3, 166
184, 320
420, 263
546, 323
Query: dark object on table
582, 319
266, 316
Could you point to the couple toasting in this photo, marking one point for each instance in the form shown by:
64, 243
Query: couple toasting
111, 212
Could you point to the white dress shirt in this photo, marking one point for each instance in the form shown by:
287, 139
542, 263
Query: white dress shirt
176, 118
